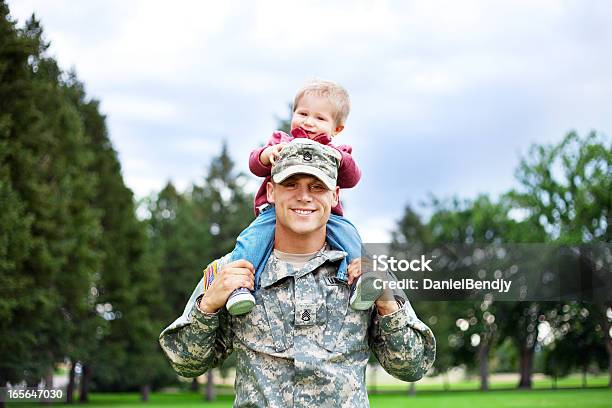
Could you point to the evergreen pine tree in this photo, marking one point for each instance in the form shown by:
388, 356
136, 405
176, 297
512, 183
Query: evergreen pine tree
47, 158
225, 209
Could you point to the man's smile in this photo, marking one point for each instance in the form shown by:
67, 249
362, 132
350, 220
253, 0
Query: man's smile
302, 211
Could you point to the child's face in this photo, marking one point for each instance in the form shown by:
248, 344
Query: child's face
314, 114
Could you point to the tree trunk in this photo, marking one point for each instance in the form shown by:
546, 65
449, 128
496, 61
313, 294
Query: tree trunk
195, 385
3, 383
412, 389
85, 377
144, 392
70, 388
210, 386
446, 381
373, 377
48, 383
33, 383
607, 339
49, 379
584, 377
609, 368
526, 365
483, 359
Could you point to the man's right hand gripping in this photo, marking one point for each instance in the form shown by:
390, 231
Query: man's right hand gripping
234, 275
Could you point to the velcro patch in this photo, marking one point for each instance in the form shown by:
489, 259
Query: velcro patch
305, 314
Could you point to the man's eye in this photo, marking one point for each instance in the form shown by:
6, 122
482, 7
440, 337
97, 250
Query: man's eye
318, 187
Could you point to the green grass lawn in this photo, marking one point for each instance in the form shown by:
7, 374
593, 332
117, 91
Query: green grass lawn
591, 398
571, 381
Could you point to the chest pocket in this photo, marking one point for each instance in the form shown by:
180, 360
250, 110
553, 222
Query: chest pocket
263, 329
345, 329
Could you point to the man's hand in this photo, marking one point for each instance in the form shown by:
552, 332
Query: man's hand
271, 153
234, 275
386, 303
354, 270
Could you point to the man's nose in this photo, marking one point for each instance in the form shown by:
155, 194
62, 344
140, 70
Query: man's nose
303, 194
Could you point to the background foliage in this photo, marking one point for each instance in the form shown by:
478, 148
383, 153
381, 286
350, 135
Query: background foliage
86, 282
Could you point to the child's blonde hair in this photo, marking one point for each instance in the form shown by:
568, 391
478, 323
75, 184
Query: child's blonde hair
337, 95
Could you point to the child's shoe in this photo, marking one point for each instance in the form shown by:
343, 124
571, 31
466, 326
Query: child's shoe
363, 292
240, 302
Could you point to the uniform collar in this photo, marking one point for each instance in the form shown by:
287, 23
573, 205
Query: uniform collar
276, 270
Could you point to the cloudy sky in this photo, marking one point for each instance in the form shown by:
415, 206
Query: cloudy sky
446, 95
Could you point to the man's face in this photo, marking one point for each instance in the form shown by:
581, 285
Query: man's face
303, 203
315, 115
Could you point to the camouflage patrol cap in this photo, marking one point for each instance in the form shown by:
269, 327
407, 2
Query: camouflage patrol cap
305, 156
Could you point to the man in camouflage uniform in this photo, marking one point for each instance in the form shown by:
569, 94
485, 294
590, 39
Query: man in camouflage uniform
301, 345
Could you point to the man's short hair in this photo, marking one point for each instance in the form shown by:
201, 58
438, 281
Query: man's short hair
336, 94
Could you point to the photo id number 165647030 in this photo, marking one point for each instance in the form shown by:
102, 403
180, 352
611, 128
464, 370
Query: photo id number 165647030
31, 394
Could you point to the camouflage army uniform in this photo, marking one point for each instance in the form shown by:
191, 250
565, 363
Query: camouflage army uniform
301, 345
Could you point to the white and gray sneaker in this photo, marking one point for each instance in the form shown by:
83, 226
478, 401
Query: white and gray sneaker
240, 302
363, 292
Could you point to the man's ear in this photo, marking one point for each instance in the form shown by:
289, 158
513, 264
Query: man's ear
336, 195
270, 192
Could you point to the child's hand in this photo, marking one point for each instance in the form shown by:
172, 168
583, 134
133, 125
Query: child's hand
275, 153
354, 270
271, 153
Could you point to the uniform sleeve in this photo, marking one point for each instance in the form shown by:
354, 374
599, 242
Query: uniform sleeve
197, 341
404, 346
348, 172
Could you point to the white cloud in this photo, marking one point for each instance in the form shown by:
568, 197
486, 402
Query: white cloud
134, 107
444, 93
375, 228
196, 145
142, 186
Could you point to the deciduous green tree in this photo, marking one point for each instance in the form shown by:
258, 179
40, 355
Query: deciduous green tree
566, 188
